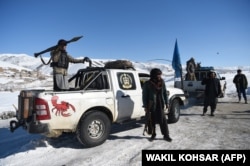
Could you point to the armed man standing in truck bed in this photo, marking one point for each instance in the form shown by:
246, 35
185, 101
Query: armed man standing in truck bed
60, 63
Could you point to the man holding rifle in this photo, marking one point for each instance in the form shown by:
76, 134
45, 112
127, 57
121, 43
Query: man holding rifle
60, 62
155, 100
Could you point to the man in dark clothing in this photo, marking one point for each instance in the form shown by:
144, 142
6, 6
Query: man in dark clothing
240, 81
212, 91
155, 99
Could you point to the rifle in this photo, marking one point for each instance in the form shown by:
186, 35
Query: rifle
148, 128
54, 47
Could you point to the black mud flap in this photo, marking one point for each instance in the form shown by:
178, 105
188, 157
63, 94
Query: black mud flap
15, 124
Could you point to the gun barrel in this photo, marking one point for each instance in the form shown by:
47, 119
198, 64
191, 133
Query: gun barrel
44, 51
74, 39
54, 47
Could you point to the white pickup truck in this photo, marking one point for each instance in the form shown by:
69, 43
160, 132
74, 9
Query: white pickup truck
193, 78
97, 98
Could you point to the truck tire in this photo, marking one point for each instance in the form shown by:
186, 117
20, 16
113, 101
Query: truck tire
174, 113
93, 129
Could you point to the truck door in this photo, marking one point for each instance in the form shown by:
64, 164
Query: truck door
128, 95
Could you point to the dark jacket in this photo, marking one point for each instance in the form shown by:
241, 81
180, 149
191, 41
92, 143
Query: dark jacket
155, 99
149, 95
240, 81
55, 57
213, 87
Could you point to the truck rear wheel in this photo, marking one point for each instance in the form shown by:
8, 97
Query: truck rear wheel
174, 113
93, 129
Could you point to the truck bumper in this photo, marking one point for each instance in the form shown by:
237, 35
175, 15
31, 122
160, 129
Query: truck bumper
37, 128
185, 101
31, 127
198, 94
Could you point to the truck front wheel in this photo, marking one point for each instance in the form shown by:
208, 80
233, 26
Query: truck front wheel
174, 113
93, 129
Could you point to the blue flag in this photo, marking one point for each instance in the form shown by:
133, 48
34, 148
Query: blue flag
176, 62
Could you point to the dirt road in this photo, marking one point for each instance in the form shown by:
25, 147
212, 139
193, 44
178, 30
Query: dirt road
228, 129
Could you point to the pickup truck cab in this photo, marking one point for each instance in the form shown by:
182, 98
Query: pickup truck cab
97, 98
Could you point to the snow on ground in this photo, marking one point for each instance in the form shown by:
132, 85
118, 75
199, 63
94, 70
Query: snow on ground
229, 129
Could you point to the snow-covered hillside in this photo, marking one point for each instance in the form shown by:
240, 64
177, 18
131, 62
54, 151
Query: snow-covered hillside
20, 71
